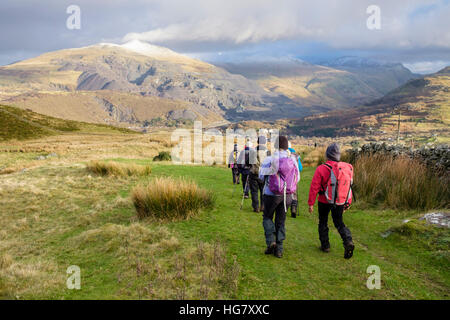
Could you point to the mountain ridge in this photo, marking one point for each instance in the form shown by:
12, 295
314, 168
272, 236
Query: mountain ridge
348, 81
423, 104
137, 83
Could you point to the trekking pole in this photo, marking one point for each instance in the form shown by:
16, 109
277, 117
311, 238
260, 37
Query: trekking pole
243, 194
234, 189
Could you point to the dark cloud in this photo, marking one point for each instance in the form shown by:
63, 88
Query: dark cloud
413, 31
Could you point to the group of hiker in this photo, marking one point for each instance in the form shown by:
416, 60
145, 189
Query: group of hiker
272, 181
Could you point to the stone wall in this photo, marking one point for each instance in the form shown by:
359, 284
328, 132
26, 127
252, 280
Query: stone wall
436, 157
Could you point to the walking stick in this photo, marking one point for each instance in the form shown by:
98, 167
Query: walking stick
243, 194
234, 189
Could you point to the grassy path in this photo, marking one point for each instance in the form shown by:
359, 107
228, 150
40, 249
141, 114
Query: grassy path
305, 272
53, 217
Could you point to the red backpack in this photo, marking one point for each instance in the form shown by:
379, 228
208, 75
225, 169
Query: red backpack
339, 186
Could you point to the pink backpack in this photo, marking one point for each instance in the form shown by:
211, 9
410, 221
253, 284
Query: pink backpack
339, 185
285, 180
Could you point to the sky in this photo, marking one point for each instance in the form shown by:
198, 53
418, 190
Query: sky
414, 32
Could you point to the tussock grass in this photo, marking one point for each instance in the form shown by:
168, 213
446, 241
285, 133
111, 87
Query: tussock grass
313, 157
155, 264
168, 198
399, 183
103, 168
19, 278
163, 156
144, 260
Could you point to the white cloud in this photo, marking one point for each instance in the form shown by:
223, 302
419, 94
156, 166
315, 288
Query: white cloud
341, 24
416, 29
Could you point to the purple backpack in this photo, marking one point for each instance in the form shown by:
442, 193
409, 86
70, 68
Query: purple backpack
287, 176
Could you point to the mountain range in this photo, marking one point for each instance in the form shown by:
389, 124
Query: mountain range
340, 83
138, 84
421, 105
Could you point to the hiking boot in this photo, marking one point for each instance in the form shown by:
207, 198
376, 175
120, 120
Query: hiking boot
261, 209
325, 249
271, 249
294, 211
349, 247
278, 253
255, 210
245, 196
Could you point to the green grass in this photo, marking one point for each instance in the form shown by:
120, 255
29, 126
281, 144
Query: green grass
72, 219
19, 124
304, 272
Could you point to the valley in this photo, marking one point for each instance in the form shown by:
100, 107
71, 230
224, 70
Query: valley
422, 106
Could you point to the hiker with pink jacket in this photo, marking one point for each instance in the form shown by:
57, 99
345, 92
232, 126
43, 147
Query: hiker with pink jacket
280, 175
333, 182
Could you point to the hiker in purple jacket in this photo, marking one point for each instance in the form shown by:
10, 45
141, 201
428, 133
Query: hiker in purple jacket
280, 173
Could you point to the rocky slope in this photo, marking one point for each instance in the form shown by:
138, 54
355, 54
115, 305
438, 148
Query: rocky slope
423, 104
383, 77
340, 83
137, 83
206, 92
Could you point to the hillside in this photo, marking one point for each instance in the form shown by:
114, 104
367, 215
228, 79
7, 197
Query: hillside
383, 77
143, 83
341, 83
137, 84
425, 113
66, 214
51, 205
19, 124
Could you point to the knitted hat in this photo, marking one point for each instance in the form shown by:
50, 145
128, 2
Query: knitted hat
333, 152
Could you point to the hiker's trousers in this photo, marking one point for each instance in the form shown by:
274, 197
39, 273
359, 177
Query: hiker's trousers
256, 189
336, 214
235, 172
275, 231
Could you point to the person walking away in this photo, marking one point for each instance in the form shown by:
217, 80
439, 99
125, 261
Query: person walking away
280, 174
256, 184
233, 164
294, 205
332, 181
244, 167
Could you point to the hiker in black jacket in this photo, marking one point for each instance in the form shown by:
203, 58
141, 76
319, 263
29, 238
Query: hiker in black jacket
244, 168
233, 164
257, 156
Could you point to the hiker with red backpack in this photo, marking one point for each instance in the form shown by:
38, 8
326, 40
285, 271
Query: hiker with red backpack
280, 174
333, 182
